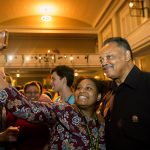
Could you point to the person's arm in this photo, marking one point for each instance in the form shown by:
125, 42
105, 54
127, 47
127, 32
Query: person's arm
18, 104
10, 134
32, 111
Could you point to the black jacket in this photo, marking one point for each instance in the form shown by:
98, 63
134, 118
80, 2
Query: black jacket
128, 123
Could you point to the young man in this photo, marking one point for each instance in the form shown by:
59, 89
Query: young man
62, 78
126, 108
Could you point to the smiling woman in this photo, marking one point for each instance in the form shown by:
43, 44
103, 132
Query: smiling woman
75, 126
32, 90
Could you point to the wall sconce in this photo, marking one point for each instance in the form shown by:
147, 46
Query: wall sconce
76, 74
10, 58
137, 8
71, 58
18, 75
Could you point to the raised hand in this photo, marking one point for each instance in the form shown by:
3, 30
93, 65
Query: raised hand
10, 134
3, 83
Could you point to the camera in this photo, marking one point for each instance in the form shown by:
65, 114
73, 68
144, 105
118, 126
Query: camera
3, 39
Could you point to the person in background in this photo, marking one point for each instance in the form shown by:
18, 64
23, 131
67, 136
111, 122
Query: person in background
50, 93
19, 88
32, 136
62, 78
8, 79
126, 107
75, 126
32, 90
43, 97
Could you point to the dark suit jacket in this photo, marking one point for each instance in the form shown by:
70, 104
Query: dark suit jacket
128, 124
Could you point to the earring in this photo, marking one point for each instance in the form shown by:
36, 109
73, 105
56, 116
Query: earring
99, 97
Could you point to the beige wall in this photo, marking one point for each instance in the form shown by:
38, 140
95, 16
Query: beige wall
145, 63
28, 45
135, 29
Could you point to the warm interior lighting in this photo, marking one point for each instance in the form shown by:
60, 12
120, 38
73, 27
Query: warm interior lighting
76, 74
27, 58
46, 18
137, 8
50, 58
46, 12
71, 58
131, 4
96, 77
17, 75
46, 9
10, 57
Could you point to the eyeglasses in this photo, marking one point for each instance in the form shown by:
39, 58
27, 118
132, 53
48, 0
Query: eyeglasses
30, 93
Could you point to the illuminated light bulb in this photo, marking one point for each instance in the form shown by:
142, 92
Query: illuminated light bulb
27, 58
105, 74
46, 18
17, 75
76, 74
131, 4
96, 77
10, 57
71, 58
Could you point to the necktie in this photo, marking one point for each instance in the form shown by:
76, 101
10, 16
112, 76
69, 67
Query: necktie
107, 103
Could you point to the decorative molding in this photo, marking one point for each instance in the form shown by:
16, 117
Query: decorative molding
107, 31
49, 60
140, 37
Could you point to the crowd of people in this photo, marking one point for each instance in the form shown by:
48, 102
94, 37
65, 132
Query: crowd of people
91, 115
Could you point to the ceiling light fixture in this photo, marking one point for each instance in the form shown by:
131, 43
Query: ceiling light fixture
45, 10
46, 18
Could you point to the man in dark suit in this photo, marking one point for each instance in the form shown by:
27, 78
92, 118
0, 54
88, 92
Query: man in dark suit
126, 107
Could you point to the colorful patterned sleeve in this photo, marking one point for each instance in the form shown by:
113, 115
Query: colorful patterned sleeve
21, 107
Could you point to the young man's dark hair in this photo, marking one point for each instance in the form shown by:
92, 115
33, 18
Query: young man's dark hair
65, 71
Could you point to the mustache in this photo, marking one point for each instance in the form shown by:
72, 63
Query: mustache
106, 66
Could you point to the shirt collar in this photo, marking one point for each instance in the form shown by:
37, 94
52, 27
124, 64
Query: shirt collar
131, 79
